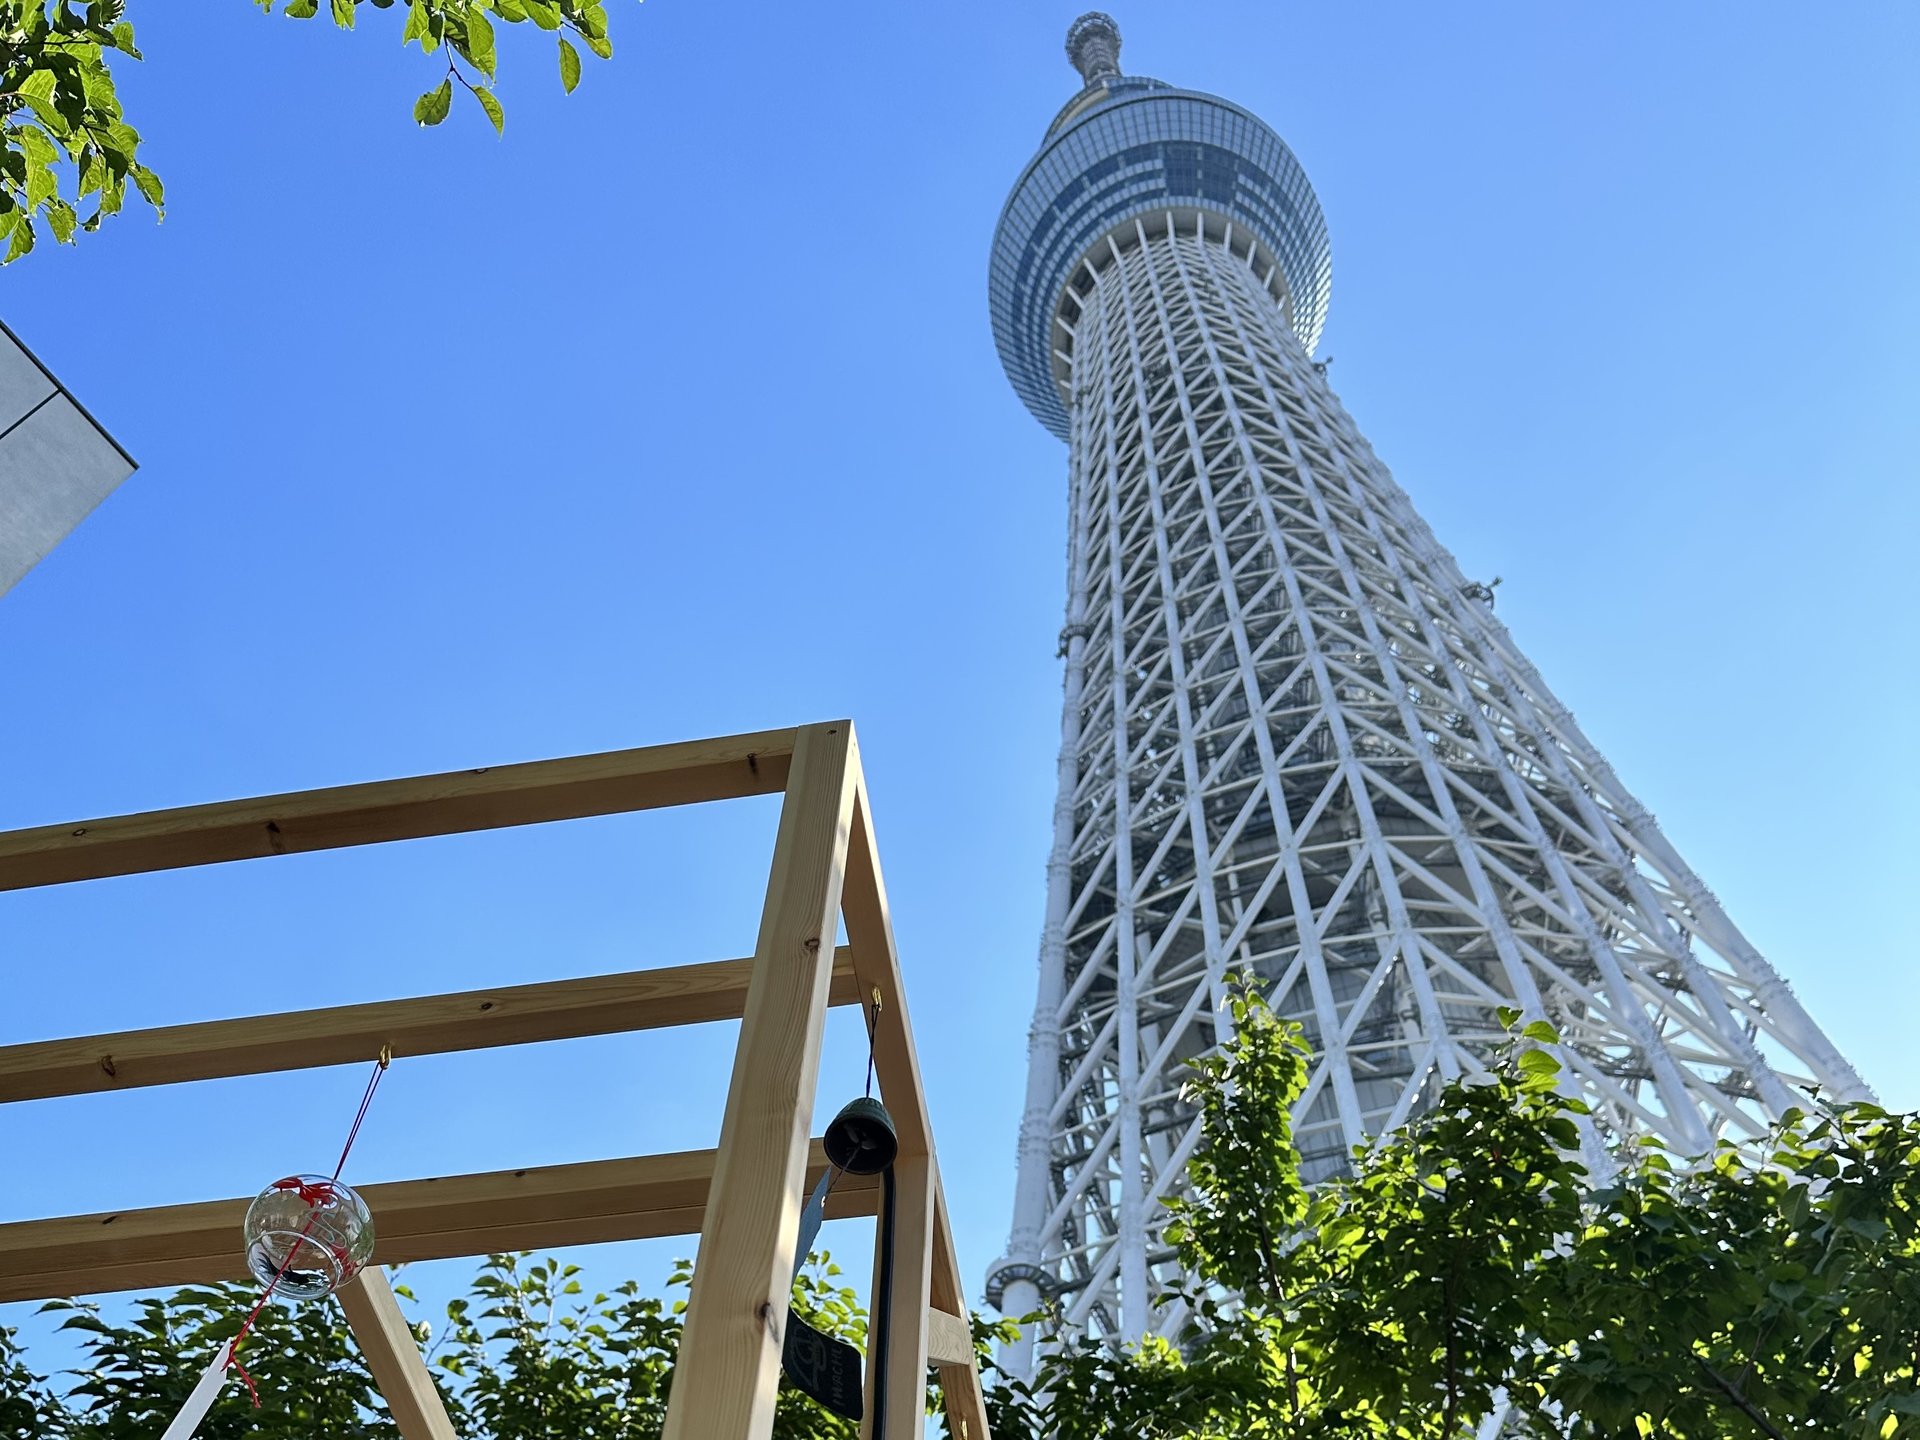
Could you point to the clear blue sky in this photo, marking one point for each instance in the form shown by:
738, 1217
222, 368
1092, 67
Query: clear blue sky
675, 412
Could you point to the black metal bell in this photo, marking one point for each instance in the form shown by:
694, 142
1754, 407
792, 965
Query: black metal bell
861, 1140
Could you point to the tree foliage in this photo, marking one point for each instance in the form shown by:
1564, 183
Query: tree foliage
65, 146
59, 112
527, 1355
1467, 1264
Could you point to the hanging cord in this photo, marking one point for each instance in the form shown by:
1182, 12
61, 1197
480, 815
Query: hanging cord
353, 1133
814, 1212
883, 1308
883, 1296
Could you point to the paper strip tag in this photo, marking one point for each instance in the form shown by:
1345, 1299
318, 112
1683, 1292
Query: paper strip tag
202, 1398
810, 1220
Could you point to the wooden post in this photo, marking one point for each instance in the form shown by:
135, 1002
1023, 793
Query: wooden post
393, 1355
960, 1380
877, 965
905, 1412
729, 1363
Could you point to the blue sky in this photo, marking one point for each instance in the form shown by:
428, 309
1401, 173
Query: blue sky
675, 412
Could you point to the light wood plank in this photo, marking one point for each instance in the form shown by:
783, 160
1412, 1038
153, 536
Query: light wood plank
949, 1339
877, 964
728, 1366
428, 1025
437, 1219
448, 804
393, 1355
960, 1393
896, 1065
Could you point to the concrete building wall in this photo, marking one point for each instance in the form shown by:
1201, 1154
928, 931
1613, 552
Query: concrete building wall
56, 462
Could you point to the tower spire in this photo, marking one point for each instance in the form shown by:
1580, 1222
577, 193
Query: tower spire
1093, 45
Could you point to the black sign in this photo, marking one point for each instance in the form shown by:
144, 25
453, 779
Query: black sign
823, 1367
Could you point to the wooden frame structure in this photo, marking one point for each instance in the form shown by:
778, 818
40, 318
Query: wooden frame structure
743, 1198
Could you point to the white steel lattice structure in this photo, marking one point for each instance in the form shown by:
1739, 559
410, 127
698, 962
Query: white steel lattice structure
1296, 742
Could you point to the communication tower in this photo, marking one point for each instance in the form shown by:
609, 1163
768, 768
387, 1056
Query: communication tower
1297, 743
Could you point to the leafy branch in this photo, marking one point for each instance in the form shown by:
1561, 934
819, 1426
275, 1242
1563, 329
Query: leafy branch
59, 112
465, 29
64, 141
1466, 1262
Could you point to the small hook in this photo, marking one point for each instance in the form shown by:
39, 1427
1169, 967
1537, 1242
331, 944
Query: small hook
386, 1055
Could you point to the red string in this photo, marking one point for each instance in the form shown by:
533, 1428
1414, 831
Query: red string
314, 1195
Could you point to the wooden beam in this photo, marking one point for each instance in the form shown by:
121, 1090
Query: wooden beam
897, 1066
949, 1339
453, 803
429, 1025
393, 1355
876, 962
960, 1393
728, 1365
438, 1219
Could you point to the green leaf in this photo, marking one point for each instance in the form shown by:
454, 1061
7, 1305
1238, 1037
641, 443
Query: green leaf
343, 13
90, 170
41, 185
479, 46
37, 91
61, 220
1543, 1032
544, 13
600, 46
40, 150
38, 85
417, 27
97, 92
22, 240
302, 9
491, 105
121, 139
1538, 1062
569, 66
432, 107
150, 186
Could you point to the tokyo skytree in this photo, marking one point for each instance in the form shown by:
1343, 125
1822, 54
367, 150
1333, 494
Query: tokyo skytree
1297, 744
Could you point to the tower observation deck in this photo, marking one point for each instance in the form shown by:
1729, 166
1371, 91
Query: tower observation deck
1296, 742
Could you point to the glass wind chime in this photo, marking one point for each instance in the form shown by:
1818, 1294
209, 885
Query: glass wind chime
306, 1236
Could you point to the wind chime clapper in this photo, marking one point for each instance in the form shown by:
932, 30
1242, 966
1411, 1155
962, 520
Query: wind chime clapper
305, 1237
861, 1140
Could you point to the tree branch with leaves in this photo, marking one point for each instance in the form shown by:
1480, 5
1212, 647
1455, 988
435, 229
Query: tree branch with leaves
65, 146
